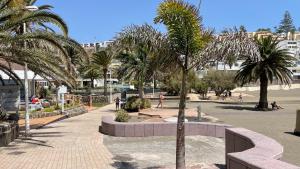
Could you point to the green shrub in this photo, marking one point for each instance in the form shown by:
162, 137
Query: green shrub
134, 104
201, 87
122, 116
49, 110
219, 81
146, 103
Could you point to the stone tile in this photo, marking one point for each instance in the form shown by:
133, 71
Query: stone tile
139, 130
71, 143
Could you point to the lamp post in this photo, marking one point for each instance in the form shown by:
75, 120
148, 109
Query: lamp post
153, 89
110, 88
27, 122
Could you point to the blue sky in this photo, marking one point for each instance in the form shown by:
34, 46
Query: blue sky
99, 20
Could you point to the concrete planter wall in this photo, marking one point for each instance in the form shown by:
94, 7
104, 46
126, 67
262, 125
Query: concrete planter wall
246, 149
8, 132
113, 128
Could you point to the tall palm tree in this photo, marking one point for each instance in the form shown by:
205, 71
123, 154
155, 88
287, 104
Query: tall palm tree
272, 64
139, 49
103, 60
186, 36
45, 52
195, 47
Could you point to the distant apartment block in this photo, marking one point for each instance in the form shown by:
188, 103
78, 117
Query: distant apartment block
92, 47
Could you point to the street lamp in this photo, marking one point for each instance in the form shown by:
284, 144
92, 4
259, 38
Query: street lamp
110, 87
27, 122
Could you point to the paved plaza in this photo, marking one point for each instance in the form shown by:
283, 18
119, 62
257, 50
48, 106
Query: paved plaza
73, 143
160, 152
278, 125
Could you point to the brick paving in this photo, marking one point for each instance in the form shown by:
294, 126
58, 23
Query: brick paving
39, 122
73, 143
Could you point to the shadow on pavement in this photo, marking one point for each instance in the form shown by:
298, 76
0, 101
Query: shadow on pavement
292, 133
49, 127
124, 161
237, 108
220, 166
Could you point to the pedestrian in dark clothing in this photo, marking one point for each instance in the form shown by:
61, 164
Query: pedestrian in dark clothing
117, 100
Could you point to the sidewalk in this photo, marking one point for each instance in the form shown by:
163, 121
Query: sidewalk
73, 143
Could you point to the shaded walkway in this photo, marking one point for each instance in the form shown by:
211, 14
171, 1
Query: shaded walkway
73, 143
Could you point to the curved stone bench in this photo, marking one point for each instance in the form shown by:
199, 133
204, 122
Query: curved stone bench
246, 149
147, 129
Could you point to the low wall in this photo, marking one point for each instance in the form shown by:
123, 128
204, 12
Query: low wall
270, 87
246, 149
75, 111
8, 133
147, 129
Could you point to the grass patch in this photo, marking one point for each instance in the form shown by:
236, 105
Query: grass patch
99, 104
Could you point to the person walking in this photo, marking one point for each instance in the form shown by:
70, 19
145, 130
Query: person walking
241, 98
117, 100
161, 98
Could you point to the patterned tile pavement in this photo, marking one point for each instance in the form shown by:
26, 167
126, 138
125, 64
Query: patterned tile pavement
73, 143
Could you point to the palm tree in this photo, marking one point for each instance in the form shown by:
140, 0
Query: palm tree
90, 71
194, 47
272, 64
186, 36
103, 60
45, 52
139, 49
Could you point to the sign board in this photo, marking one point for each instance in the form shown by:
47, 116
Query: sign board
10, 97
62, 89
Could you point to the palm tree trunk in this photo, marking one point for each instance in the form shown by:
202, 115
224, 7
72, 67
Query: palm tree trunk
105, 81
180, 142
92, 83
263, 100
141, 89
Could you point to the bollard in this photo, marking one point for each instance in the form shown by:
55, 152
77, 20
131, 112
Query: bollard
199, 110
297, 130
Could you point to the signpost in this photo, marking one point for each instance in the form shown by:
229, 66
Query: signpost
62, 90
297, 130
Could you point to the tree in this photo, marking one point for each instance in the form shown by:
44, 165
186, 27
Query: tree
264, 30
220, 81
286, 24
187, 38
201, 87
272, 64
139, 49
90, 71
44, 52
103, 59
243, 28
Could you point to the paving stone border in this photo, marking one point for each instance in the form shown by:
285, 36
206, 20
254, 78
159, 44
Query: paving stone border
246, 149
147, 129
9, 131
